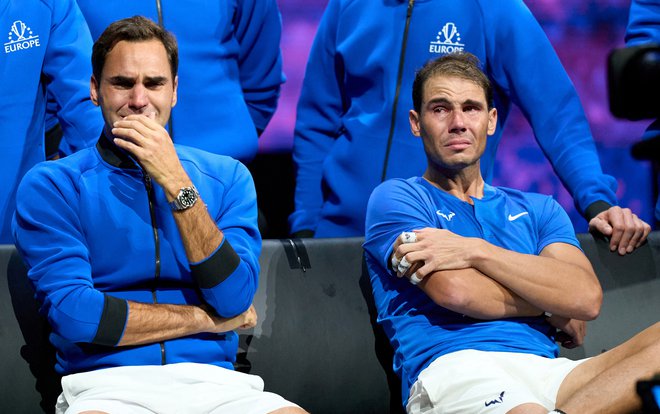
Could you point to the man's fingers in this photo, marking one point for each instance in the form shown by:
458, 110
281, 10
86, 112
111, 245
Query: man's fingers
403, 266
601, 226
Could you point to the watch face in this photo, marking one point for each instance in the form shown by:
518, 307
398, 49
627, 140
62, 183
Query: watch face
187, 197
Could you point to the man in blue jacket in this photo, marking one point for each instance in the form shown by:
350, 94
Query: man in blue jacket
48, 45
351, 132
472, 282
143, 254
230, 72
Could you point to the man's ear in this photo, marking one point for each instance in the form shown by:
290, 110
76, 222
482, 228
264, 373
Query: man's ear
176, 85
492, 121
413, 117
93, 90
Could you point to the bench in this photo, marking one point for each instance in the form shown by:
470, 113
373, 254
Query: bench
316, 342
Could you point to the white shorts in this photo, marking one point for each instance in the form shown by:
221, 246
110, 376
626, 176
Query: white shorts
176, 388
472, 381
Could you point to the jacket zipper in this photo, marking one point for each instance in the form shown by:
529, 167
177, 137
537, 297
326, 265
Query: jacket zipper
150, 195
404, 42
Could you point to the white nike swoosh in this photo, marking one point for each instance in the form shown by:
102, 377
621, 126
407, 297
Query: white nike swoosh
517, 216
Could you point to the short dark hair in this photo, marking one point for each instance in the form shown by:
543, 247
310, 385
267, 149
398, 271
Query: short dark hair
133, 29
459, 64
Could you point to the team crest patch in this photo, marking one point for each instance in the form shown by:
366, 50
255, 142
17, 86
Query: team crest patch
20, 37
448, 40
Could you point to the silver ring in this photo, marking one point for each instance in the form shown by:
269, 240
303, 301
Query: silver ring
409, 237
414, 279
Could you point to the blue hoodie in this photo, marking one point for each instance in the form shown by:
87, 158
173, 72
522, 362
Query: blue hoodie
230, 66
352, 128
48, 43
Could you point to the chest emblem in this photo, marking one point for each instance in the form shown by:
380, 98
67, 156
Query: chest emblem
447, 216
448, 40
20, 37
517, 216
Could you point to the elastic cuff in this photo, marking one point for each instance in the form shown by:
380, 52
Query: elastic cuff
595, 209
214, 270
113, 321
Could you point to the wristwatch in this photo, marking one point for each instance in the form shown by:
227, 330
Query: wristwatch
186, 198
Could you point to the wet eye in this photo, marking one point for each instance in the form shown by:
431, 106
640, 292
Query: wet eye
154, 85
123, 85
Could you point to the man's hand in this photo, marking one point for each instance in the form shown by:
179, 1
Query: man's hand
625, 230
153, 148
422, 252
571, 331
245, 320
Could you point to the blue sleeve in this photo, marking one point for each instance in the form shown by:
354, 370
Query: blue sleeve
228, 278
643, 22
395, 206
554, 225
50, 238
67, 67
319, 120
258, 31
523, 63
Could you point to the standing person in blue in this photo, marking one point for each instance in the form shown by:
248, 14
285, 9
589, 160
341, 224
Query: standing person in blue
462, 273
47, 45
231, 66
351, 132
644, 28
144, 254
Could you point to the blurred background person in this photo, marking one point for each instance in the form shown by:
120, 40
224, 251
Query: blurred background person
48, 46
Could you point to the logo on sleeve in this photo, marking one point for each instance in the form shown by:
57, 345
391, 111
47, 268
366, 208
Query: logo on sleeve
447, 41
21, 38
517, 216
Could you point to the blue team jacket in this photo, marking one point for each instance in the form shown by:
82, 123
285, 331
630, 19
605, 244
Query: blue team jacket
95, 232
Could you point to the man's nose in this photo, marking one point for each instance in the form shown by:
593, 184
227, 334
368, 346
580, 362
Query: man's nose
139, 97
457, 121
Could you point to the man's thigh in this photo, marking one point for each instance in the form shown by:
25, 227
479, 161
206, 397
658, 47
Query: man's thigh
488, 382
170, 388
593, 367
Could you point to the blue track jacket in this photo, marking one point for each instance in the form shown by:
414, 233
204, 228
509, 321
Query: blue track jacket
95, 232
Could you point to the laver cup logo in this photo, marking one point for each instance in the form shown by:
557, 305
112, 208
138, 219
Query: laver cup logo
21, 38
448, 40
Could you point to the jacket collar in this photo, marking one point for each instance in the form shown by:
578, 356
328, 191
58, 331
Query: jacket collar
114, 155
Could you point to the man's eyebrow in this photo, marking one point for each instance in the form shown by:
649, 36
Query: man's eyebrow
119, 79
438, 101
156, 79
467, 102
472, 102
